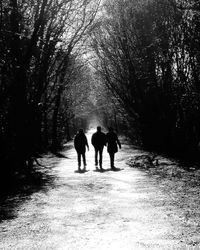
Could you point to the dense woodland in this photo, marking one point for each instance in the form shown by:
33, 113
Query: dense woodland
42, 44
135, 64
148, 55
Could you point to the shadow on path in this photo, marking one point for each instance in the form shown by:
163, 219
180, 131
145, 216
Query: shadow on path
19, 190
82, 171
106, 170
60, 155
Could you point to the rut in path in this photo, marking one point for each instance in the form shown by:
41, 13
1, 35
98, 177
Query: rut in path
122, 210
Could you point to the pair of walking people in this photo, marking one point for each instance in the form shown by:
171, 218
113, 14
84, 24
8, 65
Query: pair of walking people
98, 140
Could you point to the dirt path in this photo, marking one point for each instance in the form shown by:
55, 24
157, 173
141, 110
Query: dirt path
122, 210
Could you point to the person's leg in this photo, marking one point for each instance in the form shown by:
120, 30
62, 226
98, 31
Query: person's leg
100, 157
113, 160
79, 161
84, 160
112, 157
96, 157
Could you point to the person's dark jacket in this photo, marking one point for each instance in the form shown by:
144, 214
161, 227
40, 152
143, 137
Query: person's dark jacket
112, 141
80, 143
98, 140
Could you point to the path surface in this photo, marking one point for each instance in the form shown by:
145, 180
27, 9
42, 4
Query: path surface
123, 210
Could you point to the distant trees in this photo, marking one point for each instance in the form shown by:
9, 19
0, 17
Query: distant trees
107, 107
148, 56
40, 49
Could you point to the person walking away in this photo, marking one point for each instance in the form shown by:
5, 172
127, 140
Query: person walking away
80, 144
112, 146
98, 140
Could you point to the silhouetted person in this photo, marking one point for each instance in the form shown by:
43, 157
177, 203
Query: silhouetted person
80, 143
112, 142
98, 141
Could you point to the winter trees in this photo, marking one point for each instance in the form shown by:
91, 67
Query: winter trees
148, 55
40, 45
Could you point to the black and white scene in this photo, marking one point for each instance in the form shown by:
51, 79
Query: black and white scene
99, 125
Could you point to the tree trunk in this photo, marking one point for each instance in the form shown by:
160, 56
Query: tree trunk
55, 143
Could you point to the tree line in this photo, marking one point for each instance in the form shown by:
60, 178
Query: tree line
43, 77
147, 53
142, 76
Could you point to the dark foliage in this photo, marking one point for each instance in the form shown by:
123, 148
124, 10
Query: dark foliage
148, 56
40, 74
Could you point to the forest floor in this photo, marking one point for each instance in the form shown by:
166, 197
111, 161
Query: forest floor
140, 206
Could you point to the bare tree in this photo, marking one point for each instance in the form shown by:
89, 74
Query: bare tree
147, 55
38, 40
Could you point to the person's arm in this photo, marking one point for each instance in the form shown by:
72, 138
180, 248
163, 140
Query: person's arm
75, 143
92, 140
86, 143
118, 142
106, 140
